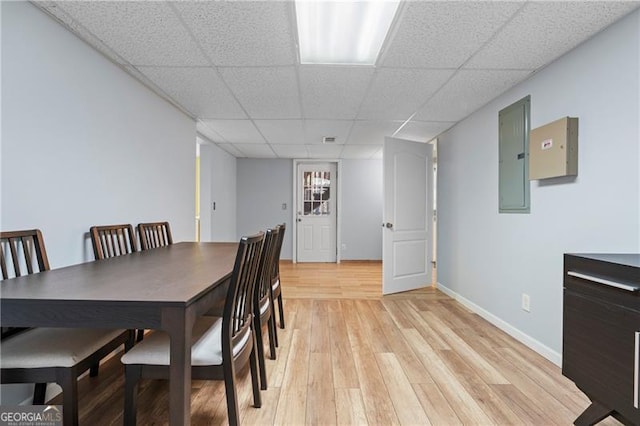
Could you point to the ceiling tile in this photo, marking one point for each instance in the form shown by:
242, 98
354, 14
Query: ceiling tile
378, 155
282, 131
235, 131
398, 93
372, 132
256, 150
543, 31
333, 92
423, 131
315, 130
290, 151
324, 151
444, 34
54, 9
265, 92
143, 33
208, 132
231, 149
135, 72
199, 90
239, 33
467, 91
360, 151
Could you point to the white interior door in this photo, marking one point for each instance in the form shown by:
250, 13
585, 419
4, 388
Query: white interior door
408, 216
316, 212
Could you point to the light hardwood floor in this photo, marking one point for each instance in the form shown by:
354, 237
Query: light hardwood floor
350, 356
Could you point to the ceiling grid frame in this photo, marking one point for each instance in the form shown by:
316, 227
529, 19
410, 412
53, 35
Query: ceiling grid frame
420, 124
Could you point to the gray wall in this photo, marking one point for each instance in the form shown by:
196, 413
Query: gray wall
362, 209
83, 143
217, 184
264, 184
490, 259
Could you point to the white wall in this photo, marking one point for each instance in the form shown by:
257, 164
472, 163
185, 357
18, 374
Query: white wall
362, 209
217, 184
490, 259
83, 143
263, 185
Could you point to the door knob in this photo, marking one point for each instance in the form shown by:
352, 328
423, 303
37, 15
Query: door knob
299, 220
388, 225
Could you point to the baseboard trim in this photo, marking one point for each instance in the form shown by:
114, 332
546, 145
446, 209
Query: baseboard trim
517, 334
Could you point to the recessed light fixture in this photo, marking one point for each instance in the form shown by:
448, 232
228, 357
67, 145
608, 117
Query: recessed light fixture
343, 32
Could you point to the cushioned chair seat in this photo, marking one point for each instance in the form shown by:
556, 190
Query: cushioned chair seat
206, 345
53, 347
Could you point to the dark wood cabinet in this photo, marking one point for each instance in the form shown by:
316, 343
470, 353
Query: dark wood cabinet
601, 333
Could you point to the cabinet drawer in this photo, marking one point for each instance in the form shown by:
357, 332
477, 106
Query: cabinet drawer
599, 350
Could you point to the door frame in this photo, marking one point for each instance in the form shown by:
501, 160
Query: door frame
434, 213
294, 207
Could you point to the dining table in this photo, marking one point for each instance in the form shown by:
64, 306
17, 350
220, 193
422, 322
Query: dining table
164, 288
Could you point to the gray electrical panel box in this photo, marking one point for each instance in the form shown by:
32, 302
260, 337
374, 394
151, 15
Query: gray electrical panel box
513, 142
553, 149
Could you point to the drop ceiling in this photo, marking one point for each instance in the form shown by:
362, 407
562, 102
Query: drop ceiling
233, 67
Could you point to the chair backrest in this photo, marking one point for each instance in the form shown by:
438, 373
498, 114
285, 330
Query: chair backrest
238, 308
112, 240
154, 234
276, 269
21, 252
265, 272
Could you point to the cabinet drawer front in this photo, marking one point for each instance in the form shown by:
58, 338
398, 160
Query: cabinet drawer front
599, 350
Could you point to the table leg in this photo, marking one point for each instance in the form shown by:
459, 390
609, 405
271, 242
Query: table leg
175, 322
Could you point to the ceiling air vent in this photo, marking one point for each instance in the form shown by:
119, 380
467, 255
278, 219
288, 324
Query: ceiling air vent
329, 139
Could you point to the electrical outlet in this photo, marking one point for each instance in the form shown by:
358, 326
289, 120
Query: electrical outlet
284, 206
526, 303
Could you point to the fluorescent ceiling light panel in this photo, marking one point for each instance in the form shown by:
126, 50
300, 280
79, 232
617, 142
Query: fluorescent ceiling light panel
343, 32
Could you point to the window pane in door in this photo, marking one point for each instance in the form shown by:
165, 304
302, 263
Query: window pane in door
316, 193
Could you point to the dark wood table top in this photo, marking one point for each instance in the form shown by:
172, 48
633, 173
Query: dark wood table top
176, 274
164, 288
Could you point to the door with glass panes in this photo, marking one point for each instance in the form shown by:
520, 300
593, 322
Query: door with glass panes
316, 212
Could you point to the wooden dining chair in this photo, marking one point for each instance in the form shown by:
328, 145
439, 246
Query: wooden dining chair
220, 346
263, 304
114, 240
154, 234
45, 355
276, 284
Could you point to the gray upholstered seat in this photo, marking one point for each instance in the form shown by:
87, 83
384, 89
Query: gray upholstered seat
206, 345
53, 347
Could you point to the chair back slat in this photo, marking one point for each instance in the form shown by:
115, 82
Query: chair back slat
3, 264
26, 251
112, 240
154, 234
267, 263
13, 242
275, 273
238, 310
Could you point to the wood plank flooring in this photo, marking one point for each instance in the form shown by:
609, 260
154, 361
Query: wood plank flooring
350, 356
